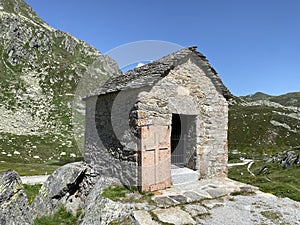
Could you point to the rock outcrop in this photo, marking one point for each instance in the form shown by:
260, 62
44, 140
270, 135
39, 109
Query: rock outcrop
68, 186
14, 206
100, 210
287, 158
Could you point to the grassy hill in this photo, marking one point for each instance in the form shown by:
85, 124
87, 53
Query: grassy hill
267, 129
40, 69
259, 124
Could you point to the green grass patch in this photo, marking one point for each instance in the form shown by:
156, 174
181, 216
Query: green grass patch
31, 191
115, 193
276, 180
127, 195
61, 217
251, 132
28, 169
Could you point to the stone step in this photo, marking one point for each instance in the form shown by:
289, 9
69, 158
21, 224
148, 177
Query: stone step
183, 175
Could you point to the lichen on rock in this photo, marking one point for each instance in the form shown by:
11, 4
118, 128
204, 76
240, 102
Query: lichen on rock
14, 205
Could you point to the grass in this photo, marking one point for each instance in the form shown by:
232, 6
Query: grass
278, 181
115, 193
61, 217
251, 132
125, 194
25, 169
31, 191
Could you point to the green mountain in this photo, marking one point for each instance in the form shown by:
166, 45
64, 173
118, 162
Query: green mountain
266, 129
261, 124
40, 68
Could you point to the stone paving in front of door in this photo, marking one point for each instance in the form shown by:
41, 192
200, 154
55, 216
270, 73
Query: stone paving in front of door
199, 190
180, 203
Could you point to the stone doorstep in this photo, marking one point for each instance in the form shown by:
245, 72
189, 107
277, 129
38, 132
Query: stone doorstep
183, 175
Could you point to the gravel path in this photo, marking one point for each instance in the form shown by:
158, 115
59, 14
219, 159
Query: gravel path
34, 179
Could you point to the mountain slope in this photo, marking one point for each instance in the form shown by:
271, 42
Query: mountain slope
263, 124
40, 68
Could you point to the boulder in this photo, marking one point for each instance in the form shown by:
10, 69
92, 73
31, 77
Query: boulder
14, 205
67, 186
291, 158
99, 210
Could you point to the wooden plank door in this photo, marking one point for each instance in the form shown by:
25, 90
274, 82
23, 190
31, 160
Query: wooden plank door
155, 158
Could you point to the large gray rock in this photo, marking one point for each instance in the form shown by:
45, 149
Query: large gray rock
99, 210
14, 206
67, 186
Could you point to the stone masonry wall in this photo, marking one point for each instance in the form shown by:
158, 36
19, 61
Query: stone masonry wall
103, 148
187, 90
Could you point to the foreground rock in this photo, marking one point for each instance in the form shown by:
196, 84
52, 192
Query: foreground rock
99, 210
67, 186
14, 206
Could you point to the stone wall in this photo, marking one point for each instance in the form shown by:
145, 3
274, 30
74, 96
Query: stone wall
187, 90
104, 147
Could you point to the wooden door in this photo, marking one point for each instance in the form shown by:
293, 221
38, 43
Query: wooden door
155, 158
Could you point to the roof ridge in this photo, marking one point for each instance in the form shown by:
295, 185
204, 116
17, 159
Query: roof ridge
150, 73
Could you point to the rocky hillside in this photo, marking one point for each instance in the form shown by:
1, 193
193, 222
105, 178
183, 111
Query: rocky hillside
261, 124
40, 68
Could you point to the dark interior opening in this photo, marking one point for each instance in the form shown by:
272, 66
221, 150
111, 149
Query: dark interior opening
177, 150
183, 140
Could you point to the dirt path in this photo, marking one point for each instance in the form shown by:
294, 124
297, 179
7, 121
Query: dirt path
245, 162
34, 179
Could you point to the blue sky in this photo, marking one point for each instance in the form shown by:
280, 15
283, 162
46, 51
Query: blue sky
253, 44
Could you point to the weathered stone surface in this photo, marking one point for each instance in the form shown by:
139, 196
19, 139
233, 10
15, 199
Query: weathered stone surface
179, 198
103, 211
195, 209
99, 210
14, 206
164, 201
174, 215
60, 188
143, 217
217, 192
210, 204
193, 196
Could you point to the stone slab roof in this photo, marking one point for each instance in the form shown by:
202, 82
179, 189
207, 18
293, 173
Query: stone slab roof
149, 74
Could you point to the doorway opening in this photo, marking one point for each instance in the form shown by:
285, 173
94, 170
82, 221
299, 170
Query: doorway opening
183, 141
